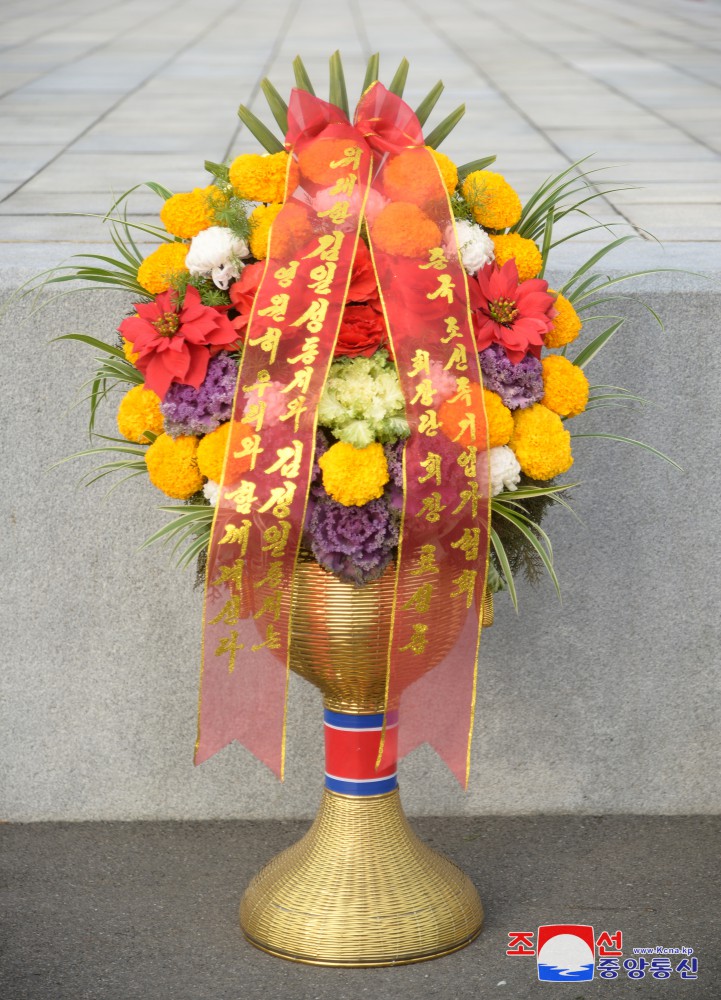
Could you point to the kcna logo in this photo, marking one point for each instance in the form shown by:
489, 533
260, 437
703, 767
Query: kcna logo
565, 953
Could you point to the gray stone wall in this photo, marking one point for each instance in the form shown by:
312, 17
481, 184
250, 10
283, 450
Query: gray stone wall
606, 703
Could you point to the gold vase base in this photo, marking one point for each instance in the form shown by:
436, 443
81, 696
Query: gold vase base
360, 889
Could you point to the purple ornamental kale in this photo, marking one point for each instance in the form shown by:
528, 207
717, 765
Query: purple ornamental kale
200, 411
518, 385
355, 543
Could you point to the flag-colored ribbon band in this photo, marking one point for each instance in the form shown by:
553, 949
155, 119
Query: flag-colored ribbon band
377, 172
351, 749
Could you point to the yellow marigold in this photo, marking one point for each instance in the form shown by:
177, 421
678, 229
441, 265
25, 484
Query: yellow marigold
173, 466
540, 442
262, 178
315, 159
565, 386
499, 419
566, 323
139, 411
188, 214
261, 219
155, 272
211, 453
448, 169
131, 356
354, 476
402, 228
492, 200
525, 253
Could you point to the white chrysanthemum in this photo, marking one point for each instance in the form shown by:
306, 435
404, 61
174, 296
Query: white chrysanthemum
474, 245
505, 470
216, 253
211, 491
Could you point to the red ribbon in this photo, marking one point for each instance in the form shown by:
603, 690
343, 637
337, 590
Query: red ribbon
425, 297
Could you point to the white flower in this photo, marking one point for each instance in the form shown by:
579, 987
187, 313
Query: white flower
505, 470
211, 491
215, 253
474, 245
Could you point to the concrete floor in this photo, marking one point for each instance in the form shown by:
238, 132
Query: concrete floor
119, 911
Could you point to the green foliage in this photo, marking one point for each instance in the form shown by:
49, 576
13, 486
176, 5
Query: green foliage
233, 215
460, 208
518, 543
189, 531
113, 372
210, 295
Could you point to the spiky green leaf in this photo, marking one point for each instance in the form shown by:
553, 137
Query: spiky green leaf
261, 132
338, 94
371, 71
429, 102
398, 83
278, 107
444, 129
302, 80
467, 168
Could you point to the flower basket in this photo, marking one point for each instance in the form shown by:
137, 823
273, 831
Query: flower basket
346, 364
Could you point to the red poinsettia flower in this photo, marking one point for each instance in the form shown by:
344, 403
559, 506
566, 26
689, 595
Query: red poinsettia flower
515, 314
175, 342
243, 292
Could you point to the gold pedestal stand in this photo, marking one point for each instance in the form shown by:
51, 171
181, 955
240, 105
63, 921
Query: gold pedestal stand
360, 889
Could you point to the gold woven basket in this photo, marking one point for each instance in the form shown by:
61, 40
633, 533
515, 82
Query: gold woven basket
360, 889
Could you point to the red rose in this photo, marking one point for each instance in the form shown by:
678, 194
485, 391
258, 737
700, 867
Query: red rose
242, 293
362, 332
363, 287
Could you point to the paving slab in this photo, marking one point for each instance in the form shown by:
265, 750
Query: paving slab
95, 96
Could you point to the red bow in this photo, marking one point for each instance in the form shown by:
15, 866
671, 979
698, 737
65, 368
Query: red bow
381, 119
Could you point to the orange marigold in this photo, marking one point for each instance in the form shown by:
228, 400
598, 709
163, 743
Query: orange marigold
453, 417
412, 176
492, 200
173, 466
315, 159
402, 228
262, 178
565, 386
541, 443
525, 253
566, 323
158, 269
188, 214
212, 448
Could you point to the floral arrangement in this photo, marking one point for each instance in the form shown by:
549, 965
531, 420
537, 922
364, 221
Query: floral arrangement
177, 355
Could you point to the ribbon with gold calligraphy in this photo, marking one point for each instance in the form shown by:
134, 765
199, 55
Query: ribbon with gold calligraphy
378, 171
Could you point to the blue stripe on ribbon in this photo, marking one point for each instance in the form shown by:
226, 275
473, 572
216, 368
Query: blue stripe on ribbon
376, 786
343, 720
